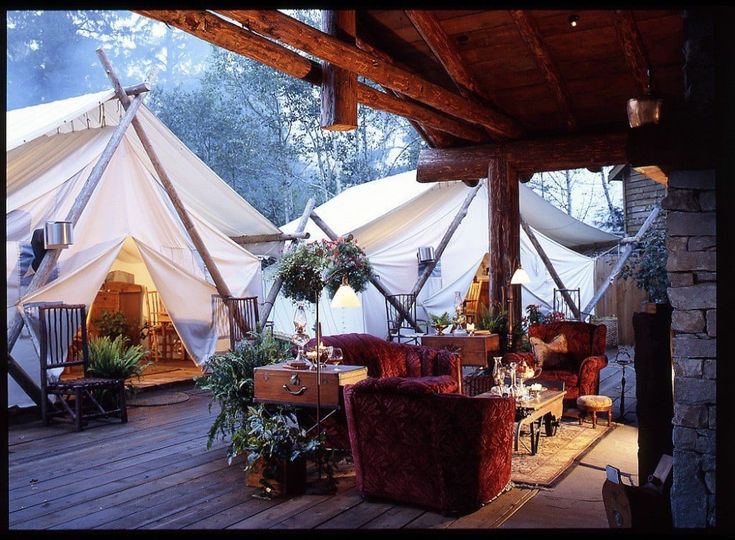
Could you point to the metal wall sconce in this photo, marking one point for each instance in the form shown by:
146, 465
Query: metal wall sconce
58, 235
425, 254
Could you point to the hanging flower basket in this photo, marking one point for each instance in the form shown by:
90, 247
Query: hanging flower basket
301, 271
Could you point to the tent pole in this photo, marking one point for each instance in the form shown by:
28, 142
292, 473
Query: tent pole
377, 284
627, 250
219, 281
550, 267
276, 287
51, 257
453, 226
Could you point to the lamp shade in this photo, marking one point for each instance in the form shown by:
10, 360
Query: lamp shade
345, 297
520, 277
644, 111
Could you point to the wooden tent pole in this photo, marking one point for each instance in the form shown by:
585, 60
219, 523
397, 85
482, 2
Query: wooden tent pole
51, 256
550, 267
278, 283
453, 226
627, 250
219, 281
374, 280
277, 237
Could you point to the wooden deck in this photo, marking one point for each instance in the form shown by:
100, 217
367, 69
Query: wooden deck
155, 473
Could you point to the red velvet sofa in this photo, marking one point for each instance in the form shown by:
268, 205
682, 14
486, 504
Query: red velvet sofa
438, 368
410, 444
581, 365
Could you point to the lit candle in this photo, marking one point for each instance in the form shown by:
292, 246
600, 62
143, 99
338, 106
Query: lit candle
470, 328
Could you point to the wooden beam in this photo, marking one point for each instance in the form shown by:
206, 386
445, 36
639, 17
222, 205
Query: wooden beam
277, 237
531, 35
528, 156
227, 35
374, 280
632, 44
339, 85
443, 243
310, 40
219, 282
550, 267
138, 88
278, 283
627, 251
448, 55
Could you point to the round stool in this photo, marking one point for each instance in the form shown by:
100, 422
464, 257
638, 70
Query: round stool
595, 404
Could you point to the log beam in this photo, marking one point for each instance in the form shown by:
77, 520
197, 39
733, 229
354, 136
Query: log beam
527, 156
303, 37
278, 282
339, 85
278, 237
505, 241
632, 44
227, 35
531, 35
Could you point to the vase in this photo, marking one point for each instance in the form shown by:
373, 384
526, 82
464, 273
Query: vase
278, 476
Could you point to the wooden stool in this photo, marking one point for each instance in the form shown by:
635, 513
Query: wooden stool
595, 404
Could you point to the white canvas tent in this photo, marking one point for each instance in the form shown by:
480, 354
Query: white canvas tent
392, 217
129, 223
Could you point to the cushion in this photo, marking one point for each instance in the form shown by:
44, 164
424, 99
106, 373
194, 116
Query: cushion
549, 355
595, 403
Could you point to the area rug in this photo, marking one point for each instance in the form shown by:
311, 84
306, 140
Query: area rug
157, 399
157, 369
555, 454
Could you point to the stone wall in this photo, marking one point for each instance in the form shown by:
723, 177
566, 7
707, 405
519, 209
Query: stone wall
692, 253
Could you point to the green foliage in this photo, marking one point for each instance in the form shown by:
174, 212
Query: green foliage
112, 324
110, 359
444, 319
230, 380
647, 265
301, 271
493, 319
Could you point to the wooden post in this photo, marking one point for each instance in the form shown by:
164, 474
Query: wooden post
627, 250
339, 85
453, 226
178, 205
276, 287
376, 283
50, 258
550, 268
277, 237
505, 245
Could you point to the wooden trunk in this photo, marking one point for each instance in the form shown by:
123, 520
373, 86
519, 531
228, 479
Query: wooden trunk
474, 350
278, 384
278, 477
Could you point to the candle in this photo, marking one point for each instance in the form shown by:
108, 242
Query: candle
470, 328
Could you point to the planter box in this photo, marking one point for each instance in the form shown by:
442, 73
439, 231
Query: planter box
282, 476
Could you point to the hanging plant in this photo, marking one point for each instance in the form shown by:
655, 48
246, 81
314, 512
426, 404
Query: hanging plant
301, 271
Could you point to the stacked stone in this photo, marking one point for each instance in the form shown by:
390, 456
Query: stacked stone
692, 253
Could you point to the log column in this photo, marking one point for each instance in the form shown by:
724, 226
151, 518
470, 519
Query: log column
339, 86
505, 240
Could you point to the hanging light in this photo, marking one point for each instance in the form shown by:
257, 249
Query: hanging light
520, 277
345, 297
646, 109
573, 20
58, 235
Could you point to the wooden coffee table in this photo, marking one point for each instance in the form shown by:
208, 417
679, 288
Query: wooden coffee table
547, 408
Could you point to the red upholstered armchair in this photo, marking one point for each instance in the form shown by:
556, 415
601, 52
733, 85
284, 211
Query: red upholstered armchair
436, 367
580, 366
448, 452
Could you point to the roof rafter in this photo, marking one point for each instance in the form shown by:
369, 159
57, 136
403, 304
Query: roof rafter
632, 44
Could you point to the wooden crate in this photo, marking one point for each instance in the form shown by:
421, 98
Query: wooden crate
278, 384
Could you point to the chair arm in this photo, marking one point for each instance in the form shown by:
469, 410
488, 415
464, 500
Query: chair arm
589, 374
519, 357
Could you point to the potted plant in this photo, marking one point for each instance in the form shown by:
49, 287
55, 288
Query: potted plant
276, 450
647, 265
495, 320
440, 322
230, 379
111, 359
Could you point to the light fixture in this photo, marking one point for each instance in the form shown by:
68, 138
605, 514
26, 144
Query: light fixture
58, 235
646, 109
520, 277
573, 20
345, 297
425, 254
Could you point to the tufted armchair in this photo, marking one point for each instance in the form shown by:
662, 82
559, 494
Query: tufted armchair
580, 366
438, 368
448, 452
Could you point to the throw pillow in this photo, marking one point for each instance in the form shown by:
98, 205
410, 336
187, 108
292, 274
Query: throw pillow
549, 355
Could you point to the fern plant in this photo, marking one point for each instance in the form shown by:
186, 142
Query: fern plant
110, 359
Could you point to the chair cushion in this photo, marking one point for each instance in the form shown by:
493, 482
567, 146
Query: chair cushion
594, 403
550, 355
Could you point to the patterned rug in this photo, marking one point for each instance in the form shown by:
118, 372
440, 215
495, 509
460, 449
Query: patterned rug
555, 454
155, 399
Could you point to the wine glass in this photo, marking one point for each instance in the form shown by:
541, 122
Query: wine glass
337, 356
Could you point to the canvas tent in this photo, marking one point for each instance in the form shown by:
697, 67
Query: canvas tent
392, 217
129, 223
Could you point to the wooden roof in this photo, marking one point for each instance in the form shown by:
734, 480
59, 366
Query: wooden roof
468, 77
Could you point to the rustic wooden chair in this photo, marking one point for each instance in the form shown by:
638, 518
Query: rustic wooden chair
562, 307
63, 344
243, 317
403, 332
155, 327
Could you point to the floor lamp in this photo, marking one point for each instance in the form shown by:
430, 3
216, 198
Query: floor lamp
520, 277
345, 297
